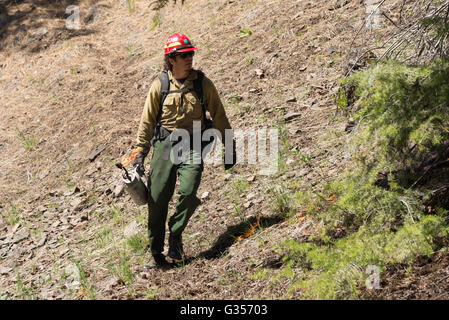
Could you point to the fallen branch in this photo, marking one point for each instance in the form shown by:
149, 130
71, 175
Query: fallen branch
408, 209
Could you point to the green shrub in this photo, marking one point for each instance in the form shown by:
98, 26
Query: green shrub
359, 202
338, 271
401, 115
403, 109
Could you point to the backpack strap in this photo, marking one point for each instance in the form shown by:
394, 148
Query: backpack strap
198, 87
165, 86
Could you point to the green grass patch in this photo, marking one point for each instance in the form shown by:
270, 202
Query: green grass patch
245, 32
155, 21
137, 243
11, 215
27, 142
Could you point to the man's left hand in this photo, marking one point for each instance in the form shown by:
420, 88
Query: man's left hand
229, 161
138, 163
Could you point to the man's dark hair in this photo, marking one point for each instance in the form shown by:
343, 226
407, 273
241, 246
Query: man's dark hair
167, 64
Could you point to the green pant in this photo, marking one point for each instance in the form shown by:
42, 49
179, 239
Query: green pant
161, 185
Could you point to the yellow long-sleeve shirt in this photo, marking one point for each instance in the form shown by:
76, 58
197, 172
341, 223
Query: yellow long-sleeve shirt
174, 115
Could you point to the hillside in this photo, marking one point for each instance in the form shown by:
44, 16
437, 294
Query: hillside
66, 232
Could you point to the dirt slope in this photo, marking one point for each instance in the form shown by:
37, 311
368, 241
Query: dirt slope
65, 93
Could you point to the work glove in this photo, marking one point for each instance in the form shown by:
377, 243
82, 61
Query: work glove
138, 163
228, 165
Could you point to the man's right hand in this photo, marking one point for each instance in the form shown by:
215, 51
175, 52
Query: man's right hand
138, 163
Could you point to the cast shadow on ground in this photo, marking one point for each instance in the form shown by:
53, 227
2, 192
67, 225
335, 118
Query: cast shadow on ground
25, 27
228, 238
14, 17
432, 173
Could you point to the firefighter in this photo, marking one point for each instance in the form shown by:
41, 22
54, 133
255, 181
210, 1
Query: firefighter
167, 109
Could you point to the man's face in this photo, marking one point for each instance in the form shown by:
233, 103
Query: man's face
182, 61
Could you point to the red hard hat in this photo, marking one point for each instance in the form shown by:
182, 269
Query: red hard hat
178, 42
